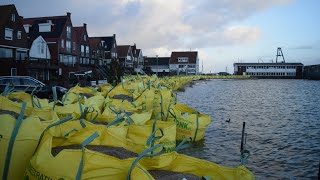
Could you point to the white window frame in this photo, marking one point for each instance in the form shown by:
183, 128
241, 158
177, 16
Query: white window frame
19, 35
62, 43
15, 70
13, 17
8, 31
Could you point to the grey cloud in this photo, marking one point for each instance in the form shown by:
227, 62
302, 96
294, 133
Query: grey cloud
158, 24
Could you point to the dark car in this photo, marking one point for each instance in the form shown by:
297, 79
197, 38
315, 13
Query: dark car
29, 85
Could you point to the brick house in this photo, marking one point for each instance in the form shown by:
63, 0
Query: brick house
104, 49
57, 32
125, 57
13, 42
184, 63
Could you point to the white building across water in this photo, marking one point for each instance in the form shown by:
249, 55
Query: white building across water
270, 70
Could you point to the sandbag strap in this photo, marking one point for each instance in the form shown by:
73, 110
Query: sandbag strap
145, 153
55, 96
245, 154
84, 143
113, 109
35, 104
155, 121
11, 142
50, 126
68, 133
183, 145
34, 91
116, 121
8, 89
197, 126
153, 138
93, 110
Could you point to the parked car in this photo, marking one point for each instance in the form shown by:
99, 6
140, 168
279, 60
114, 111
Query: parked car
29, 84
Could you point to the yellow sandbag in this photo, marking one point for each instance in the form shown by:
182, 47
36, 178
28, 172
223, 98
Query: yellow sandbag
190, 123
71, 98
146, 99
85, 91
19, 139
80, 163
45, 114
31, 100
186, 164
105, 88
74, 110
163, 99
166, 131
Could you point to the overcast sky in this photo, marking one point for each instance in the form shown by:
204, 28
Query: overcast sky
223, 31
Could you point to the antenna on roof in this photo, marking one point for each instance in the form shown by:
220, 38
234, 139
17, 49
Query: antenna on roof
279, 53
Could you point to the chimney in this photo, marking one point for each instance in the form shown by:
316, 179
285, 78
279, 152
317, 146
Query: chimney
68, 14
85, 25
114, 35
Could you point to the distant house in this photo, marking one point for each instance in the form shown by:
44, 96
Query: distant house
125, 57
184, 63
57, 32
13, 42
81, 46
158, 65
39, 60
138, 60
104, 49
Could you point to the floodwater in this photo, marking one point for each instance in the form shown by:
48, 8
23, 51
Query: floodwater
282, 125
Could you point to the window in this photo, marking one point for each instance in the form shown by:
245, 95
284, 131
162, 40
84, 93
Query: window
82, 50
13, 71
68, 32
62, 43
68, 46
21, 55
183, 59
6, 53
8, 34
19, 35
87, 50
85, 37
74, 46
13, 17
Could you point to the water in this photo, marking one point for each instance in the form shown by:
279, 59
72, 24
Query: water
282, 122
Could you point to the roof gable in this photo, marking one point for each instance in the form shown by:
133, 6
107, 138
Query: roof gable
190, 55
57, 27
123, 50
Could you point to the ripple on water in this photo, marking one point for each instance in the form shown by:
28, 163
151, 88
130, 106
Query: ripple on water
282, 118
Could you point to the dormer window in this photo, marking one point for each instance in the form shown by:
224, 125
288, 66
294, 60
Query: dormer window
102, 43
46, 26
13, 17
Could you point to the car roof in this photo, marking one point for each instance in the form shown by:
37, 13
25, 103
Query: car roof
23, 77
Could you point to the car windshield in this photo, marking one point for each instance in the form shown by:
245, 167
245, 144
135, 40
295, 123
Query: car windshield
15, 81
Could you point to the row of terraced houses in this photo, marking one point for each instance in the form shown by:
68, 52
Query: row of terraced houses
53, 50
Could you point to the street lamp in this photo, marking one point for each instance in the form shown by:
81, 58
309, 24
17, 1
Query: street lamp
157, 65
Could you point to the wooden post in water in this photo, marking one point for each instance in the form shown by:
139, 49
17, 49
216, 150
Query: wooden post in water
242, 136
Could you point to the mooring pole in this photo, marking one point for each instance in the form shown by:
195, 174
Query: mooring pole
242, 137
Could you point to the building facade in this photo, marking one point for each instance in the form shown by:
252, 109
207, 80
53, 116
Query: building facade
13, 43
184, 63
270, 70
157, 65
